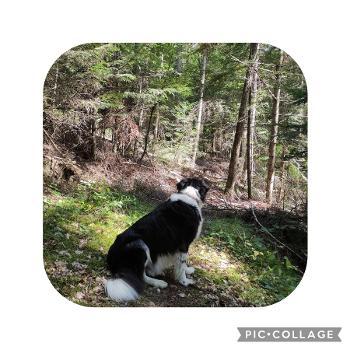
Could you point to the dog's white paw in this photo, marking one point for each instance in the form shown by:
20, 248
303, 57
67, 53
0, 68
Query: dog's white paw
186, 282
161, 284
190, 270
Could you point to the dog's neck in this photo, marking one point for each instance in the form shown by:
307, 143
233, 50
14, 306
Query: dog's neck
193, 197
192, 193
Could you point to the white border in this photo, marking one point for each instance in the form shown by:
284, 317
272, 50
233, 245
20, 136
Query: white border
36, 33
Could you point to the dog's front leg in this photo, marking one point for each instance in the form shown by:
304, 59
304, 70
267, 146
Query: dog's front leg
154, 282
181, 268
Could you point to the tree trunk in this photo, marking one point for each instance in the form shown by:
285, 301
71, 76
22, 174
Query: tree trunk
178, 60
55, 87
140, 117
274, 131
282, 171
242, 159
93, 139
156, 126
148, 132
200, 107
234, 161
114, 136
251, 127
142, 104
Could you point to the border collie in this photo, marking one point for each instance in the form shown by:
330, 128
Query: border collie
156, 242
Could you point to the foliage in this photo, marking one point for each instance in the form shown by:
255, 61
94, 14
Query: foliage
271, 279
92, 88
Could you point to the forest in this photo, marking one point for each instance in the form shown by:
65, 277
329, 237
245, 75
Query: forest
123, 123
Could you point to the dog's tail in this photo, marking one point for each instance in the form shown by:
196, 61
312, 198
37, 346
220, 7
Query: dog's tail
127, 263
125, 287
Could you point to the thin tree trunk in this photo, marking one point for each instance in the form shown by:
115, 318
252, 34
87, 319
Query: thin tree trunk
114, 136
213, 143
242, 158
274, 131
104, 138
93, 139
148, 132
156, 126
200, 107
178, 60
140, 115
251, 127
55, 87
282, 171
234, 161
142, 104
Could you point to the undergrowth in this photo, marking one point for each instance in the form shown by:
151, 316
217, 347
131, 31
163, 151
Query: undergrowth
261, 277
230, 257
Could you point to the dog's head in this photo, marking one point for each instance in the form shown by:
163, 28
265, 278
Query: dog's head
193, 186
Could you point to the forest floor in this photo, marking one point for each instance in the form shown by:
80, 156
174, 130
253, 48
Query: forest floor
235, 265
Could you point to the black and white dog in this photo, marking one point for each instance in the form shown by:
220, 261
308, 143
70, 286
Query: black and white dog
156, 242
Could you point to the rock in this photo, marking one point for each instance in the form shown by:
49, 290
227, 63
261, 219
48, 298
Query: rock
82, 243
182, 295
64, 252
78, 265
79, 295
97, 289
61, 266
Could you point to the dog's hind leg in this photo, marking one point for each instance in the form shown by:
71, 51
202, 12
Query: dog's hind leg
149, 280
154, 282
189, 270
181, 268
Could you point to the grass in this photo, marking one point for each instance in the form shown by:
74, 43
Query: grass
233, 265
259, 275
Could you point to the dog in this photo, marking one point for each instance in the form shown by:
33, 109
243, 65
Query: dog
156, 242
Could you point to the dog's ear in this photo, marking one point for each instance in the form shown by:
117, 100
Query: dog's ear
206, 186
181, 185
203, 189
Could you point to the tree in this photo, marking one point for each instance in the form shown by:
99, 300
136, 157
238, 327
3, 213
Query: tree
200, 105
234, 160
98, 101
251, 124
148, 132
274, 130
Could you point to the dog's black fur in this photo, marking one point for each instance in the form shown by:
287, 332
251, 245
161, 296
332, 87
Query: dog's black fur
168, 230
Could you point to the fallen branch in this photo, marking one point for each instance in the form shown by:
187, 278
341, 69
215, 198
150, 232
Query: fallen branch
221, 209
275, 238
138, 164
53, 143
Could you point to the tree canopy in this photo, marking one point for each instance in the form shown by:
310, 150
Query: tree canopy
151, 101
